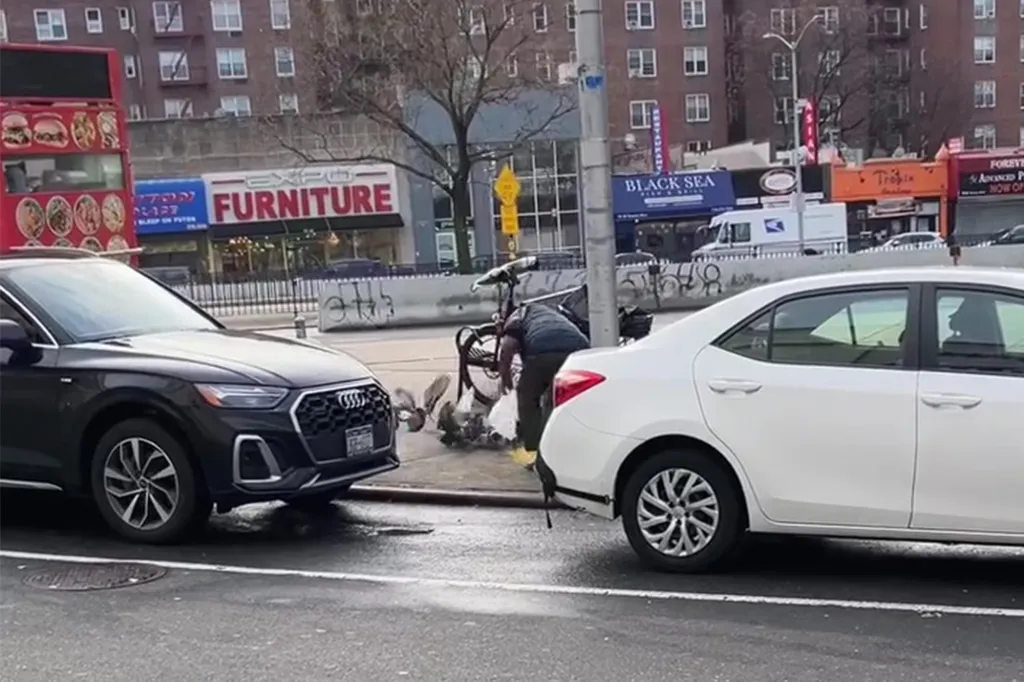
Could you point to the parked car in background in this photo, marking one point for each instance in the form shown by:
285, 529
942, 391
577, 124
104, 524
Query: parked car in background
909, 240
1014, 235
879, 404
115, 388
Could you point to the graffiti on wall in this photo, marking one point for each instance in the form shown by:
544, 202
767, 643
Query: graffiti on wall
671, 283
359, 302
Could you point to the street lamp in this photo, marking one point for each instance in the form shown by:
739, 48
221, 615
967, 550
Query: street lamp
794, 46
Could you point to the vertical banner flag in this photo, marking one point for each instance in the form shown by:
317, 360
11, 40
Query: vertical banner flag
811, 131
659, 142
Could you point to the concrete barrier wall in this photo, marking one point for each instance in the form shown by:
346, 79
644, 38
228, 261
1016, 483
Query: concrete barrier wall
441, 300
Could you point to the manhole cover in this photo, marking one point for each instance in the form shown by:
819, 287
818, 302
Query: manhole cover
79, 578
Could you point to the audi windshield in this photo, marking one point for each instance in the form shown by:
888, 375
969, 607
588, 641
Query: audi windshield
97, 300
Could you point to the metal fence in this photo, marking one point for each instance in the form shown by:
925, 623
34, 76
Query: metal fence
275, 292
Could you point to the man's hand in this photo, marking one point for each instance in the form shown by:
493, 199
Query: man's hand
506, 352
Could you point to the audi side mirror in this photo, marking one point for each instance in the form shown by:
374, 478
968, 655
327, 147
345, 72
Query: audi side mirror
14, 338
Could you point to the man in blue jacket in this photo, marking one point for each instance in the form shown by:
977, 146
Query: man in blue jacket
543, 338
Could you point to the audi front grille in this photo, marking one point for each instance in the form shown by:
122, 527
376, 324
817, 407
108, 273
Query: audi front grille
323, 420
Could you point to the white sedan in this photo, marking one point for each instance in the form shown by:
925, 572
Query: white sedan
880, 404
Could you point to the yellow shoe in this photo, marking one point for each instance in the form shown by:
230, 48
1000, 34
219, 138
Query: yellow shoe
523, 457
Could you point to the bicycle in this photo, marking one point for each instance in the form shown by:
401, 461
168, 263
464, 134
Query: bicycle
473, 343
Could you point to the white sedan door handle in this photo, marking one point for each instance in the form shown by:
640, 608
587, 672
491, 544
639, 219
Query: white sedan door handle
950, 400
733, 386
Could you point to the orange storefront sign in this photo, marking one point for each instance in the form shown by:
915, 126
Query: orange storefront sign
877, 180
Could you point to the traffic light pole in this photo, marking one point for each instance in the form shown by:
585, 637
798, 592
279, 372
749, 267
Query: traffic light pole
595, 165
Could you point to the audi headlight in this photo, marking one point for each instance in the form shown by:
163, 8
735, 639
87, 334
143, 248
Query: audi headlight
231, 396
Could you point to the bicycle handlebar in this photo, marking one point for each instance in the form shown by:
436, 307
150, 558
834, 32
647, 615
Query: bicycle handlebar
507, 273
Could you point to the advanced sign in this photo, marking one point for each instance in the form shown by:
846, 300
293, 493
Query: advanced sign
982, 176
168, 206
640, 197
302, 193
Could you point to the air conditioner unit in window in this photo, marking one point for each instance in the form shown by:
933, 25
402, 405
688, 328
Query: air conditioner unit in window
567, 73
632, 26
635, 73
687, 23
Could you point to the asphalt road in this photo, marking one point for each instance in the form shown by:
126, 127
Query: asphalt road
391, 592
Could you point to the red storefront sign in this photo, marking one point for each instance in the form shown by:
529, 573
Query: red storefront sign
301, 193
810, 123
981, 175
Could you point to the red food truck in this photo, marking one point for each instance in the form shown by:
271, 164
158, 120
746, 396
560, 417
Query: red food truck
64, 150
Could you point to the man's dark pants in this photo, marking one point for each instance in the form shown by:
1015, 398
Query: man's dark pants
534, 382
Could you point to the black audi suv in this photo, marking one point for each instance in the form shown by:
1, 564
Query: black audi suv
114, 387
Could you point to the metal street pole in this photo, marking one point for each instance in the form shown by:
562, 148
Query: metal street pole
595, 166
798, 196
794, 50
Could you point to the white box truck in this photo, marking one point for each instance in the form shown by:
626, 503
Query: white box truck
774, 230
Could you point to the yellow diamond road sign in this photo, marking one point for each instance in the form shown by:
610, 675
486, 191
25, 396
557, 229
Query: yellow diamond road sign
507, 186
509, 219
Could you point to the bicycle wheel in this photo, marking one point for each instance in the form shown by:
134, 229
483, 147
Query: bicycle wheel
479, 364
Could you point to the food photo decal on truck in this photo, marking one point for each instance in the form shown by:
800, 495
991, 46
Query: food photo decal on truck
56, 130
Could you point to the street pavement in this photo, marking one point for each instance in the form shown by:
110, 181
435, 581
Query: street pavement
379, 592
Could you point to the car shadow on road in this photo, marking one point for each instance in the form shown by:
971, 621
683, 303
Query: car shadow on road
839, 569
52, 523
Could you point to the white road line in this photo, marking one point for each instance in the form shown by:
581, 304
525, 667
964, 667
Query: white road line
556, 590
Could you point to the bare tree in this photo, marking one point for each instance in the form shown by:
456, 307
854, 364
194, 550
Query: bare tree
833, 65
945, 102
399, 62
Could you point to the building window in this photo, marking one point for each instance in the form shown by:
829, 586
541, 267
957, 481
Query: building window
543, 61
698, 108
236, 105
284, 61
130, 66
93, 20
134, 112
642, 63
124, 19
829, 63
50, 25
695, 13
1022, 127
227, 15
639, 15
892, 21
288, 104
1022, 49
540, 18
173, 66
924, 16
985, 50
783, 109
829, 18
1022, 95
512, 66
783, 21
698, 146
177, 108
985, 136
923, 59
280, 14
167, 17
640, 113
984, 9
231, 63
782, 66
570, 17
695, 61
984, 94
510, 14
3, 26
549, 202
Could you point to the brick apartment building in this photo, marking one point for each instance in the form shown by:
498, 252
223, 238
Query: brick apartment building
705, 62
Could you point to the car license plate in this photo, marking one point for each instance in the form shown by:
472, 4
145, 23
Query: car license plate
359, 441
